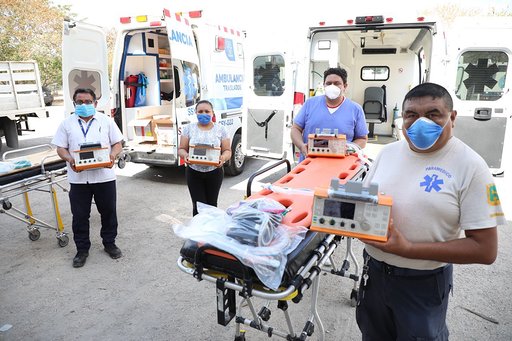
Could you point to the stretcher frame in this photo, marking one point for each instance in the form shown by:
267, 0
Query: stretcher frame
308, 276
44, 181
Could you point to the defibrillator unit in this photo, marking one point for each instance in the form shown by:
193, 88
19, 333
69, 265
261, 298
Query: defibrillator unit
204, 154
352, 210
92, 156
327, 143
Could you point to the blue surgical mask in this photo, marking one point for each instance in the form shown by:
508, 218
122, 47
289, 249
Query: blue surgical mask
85, 110
424, 133
204, 119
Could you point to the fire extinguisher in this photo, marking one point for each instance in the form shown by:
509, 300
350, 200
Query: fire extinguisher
131, 89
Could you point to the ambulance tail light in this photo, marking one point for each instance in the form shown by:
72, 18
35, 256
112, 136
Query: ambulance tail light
195, 14
298, 98
220, 43
125, 20
421, 19
350, 21
389, 20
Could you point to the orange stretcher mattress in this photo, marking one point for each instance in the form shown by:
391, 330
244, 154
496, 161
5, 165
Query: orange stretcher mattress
310, 173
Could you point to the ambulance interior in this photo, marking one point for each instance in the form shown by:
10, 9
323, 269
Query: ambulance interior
149, 108
382, 65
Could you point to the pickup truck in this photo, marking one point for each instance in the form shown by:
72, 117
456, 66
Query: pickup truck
21, 96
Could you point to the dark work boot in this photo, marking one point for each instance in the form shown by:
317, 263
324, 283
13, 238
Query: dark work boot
80, 258
113, 251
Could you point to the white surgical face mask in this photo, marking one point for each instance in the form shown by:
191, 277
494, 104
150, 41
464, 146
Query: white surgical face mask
332, 91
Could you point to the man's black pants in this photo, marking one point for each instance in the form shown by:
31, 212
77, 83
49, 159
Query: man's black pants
80, 197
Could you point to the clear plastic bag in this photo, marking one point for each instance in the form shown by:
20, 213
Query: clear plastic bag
6, 167
254, 221
211, 225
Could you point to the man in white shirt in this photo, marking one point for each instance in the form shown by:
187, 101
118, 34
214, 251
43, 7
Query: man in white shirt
87, 126
445, 210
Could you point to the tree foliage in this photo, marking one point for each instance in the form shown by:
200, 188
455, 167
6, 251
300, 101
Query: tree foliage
32, 30
448, 11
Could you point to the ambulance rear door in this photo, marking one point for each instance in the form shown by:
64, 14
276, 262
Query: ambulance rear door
269, 103
84, 63
480, 79
185, 62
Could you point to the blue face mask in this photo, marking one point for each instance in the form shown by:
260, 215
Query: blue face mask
85, 110
424, 133
204, 119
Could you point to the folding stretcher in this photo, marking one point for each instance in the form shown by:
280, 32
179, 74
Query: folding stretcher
303, 265
45, 171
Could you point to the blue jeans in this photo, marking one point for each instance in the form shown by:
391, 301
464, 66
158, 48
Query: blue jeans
80, 198
404, 304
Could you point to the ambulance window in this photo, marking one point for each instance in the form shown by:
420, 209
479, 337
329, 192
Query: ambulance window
85, 79
375, 73
191, 86
269, 79
481, 75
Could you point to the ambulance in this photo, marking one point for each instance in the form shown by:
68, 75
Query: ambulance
384, 59
162, 66
478, 75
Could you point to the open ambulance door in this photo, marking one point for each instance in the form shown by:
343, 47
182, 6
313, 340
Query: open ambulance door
480, 78
185, 65
84, 63
269, 101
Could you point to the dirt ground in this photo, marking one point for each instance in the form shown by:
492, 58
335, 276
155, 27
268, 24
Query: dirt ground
144, 296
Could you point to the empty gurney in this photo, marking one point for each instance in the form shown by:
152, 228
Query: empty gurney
43, 172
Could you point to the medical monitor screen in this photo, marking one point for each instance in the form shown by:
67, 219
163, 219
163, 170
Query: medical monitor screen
86, 155
320, 143
339, 209
200, 151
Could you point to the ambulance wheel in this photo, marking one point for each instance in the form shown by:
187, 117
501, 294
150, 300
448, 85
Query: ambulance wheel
236, 164
63, 241
34, 235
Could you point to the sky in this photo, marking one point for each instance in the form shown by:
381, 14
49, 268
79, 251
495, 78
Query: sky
263, 15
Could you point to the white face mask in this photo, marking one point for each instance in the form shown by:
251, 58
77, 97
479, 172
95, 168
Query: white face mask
332, 91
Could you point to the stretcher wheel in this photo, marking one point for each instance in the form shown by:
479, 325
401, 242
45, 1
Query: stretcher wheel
63, 241
241, 337
6, 205
353, 298
121, 163
34, 235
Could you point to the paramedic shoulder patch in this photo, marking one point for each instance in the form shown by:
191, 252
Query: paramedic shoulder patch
492, 195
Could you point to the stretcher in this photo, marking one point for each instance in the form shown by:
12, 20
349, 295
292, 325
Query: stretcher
43, 173
303, 266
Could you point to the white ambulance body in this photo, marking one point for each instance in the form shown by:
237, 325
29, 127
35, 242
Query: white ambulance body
384, 60
478, 75
183, 60
375, 53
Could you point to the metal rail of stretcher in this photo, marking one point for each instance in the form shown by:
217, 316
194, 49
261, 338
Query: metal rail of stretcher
45, 181
306, 277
